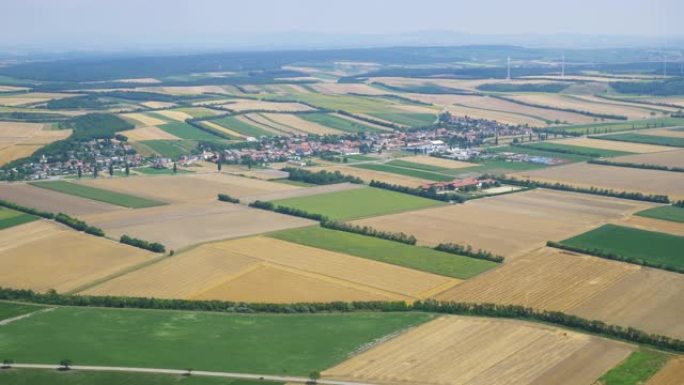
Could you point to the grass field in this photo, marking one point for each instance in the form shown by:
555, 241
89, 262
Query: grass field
633, 243
636, 369
170, 148
269, 344
186, 131
75, 377
10, 218
98, 194
422, 174
363, 202
241, 127
647, 139
418, 258
10, 310
666, 213
579, 150
337, 123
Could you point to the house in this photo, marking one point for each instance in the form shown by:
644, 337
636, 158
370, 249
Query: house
458, 185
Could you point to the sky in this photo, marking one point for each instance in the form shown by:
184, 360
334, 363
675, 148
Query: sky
126, 24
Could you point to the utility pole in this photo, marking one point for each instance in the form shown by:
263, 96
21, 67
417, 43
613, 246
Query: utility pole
508, 68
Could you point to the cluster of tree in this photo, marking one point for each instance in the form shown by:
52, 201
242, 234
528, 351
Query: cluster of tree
77, 102
457, 308
320, 177
637, 196
369, 231
678, 204
574, 111
288, 210
524, 87
228, 198
79, 225
27, 210
95, 126
142, 244
615, 257
468, 251
674, 86
34, 117
637, 165
429, 193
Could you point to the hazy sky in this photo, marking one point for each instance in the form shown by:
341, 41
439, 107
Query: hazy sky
131, 23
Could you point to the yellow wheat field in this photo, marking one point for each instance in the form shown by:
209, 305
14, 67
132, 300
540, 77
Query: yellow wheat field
300, 124
576, 103
455, 350
148, 133
144, 120
251, 104
176, 115
260, 269
42, 255
508, 224
19, 140
609, 177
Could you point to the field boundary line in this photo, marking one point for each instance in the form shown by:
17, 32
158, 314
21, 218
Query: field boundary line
116, 274
23, 316
245, 376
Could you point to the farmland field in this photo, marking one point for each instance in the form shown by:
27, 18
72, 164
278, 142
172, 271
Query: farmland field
260, 269
11, 310
235, 124
671, 374
562, 147
636, 369
610, 145
471, 350
414, 257
668, 159
98, 194
647, 139
10, 218
19, 140
269, 344
407, 118
633, 243
667, 213
357, 203
418, 166
616, 178
507, 224
169, 148
416, 173
48, 200
185, 131
600, 128
148, 133
442, 163
368, 175
338, 123
43, 255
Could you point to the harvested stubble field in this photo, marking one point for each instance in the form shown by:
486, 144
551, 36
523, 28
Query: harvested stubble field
637, 148
567, 102
97, 194
299, 124
181, 225
200, 187
42, 255
259, 269
438, 162
252, 104
19, 140
590, 287
148, 133
302, 192
672, 158
651, 224
663, 132
30, 98
609, 177
508, 224
52, 201
455, 350
671, 374
144, 120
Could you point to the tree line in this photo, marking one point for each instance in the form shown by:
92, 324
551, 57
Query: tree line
79, 225
322, 177
644, 166
142, 244
369, 231
429, 193
455, 308
288, 210
468, 251
615, 257
587, 190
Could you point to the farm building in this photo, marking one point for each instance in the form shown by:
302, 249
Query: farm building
467, 184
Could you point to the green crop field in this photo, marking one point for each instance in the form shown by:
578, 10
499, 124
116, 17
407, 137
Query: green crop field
646, 139
579, 150
241, 127
566, 158
99, 194
636, 369
173, 149
357, 203
196, 112
667, 213
414, 257
496, 167
268, 344
665, 249
406, 118
10, 309
186, 131
601, 128
405, 171
416, 166
78, 377
10, 218
337, 123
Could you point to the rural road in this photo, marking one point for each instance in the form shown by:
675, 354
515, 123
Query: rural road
244, 376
